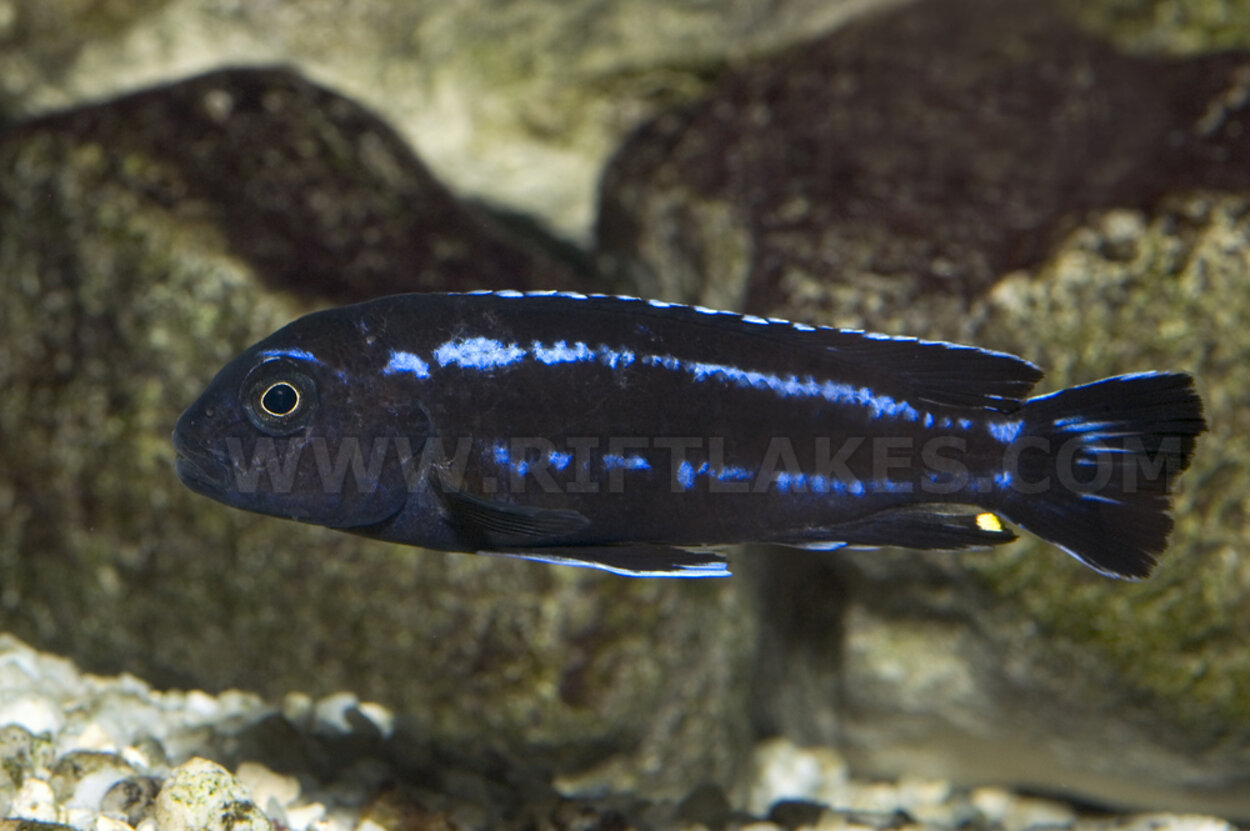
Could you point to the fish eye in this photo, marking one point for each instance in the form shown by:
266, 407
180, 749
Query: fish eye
278, 399
281, 399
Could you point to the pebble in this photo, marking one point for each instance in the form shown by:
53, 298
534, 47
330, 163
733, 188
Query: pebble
267, 787
33, 825
203, 796
1016, 813
99, 754
305, 816
36, 713
133, 798
331, 714
81, 778
104, 823
784, 771
34, 800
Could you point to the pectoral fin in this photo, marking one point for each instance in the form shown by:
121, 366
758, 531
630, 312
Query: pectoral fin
491, 523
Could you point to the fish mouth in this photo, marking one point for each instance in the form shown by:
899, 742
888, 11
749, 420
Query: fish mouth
196, 477
199, 471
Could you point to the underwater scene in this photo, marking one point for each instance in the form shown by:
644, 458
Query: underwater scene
807, 295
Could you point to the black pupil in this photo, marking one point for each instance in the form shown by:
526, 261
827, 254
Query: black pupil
280, 399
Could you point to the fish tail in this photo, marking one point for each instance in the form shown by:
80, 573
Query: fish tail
1092, 467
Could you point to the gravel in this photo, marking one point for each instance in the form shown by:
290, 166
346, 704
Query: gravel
112, 753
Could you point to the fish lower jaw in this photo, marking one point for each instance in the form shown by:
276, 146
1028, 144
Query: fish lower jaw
195, 477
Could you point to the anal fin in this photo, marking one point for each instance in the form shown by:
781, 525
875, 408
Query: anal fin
631, 560
924, 527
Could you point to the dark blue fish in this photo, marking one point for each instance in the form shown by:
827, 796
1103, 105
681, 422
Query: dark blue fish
633, 435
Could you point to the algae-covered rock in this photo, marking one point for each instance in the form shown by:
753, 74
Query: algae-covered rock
515, 102
1167, 26
202, 796
896, 167
183, 748
319, 195
126, 284
1034, 669
889, 176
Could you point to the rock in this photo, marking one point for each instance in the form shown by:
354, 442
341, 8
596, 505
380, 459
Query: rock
1190, 27
356, 785
268, 787
923, 154
1012, 812
33, 825
889, 171
518, 104
82, 778
202, 796
32, 712
939, 171
133, 799
706, 805
1116, 678
23, 754
314, 192
35, 801
1018, 666
791, 781
784, 772
397, 809
127, 285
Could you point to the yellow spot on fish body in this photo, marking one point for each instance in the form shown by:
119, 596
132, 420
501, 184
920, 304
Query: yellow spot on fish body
989, 522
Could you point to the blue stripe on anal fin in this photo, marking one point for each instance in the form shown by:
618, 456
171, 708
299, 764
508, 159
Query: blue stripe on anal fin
639, 560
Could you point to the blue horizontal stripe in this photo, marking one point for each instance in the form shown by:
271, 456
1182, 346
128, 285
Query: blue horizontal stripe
615, 461
406, 362
481, 353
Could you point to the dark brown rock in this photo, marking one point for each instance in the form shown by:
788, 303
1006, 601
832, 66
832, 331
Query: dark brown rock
913, 155
316, 193
136, 243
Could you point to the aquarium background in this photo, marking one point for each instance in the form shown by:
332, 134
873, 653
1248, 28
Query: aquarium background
1069, 182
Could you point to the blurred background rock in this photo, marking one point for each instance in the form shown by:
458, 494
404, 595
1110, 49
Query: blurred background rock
1067, 182
518, 102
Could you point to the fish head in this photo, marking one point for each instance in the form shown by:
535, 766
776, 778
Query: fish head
297, 427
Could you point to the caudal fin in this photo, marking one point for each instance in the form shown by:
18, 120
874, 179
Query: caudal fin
1093, 466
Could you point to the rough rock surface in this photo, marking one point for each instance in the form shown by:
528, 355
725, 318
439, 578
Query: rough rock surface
889, 176
1173, 27
315, 193
889, 171
125, 288
514, 102
135, 237
112, 754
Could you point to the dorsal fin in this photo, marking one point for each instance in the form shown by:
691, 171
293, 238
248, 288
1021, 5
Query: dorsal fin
940, 373
934, 372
